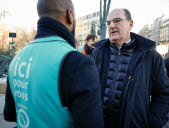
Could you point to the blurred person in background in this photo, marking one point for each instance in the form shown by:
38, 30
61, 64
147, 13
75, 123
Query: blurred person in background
89, 41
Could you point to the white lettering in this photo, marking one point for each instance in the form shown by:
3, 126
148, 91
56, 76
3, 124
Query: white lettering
22, 106
20, 66
16, 65
21, 95
28, 69
14, 82
26, 97
20, 84
19, 69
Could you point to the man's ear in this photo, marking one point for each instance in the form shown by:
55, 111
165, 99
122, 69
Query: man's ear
131, 24
70, 16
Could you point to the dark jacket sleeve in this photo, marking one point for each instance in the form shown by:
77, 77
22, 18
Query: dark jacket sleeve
9, 108
80, 90
159, 105
88, 49
167, 65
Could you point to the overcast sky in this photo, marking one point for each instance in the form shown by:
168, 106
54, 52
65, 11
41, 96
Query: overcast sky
23, 12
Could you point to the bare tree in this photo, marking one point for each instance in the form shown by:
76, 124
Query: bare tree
4, 40
24, 36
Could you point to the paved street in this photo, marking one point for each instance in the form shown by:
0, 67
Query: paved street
3, 123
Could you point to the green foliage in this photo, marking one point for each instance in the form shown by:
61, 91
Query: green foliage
5, 59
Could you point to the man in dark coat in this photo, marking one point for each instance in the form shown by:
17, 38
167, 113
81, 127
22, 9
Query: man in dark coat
167, 65
62, 88
135, 87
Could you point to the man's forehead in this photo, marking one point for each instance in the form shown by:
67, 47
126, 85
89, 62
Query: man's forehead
117, 13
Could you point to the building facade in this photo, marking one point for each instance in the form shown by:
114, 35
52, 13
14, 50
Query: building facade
164, 32
164, 37
155, 31
158, 32
146, 31
86, 25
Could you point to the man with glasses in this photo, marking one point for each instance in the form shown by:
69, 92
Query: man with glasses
131, 72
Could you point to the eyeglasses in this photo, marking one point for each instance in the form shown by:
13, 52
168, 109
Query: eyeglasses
115, 21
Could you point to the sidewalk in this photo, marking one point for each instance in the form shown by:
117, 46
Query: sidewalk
3, 123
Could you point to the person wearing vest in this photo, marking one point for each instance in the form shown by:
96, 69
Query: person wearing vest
135, 87
50, 84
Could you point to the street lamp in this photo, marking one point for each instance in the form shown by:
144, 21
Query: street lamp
12, 44
93, 26
103, 17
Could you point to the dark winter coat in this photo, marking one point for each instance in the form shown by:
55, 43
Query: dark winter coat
145, 96
167, 65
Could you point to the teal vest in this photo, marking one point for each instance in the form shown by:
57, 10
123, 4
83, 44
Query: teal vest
80, 50
34, 81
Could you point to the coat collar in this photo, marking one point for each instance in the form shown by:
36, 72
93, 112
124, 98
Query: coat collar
142, 44
48, 27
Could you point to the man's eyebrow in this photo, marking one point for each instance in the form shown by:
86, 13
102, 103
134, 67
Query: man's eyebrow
115, 18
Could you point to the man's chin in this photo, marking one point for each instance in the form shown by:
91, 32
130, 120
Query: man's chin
113, 39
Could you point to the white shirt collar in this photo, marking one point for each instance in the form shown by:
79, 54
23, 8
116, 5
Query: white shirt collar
126, 43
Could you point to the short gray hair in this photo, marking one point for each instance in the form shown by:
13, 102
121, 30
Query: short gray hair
127, 14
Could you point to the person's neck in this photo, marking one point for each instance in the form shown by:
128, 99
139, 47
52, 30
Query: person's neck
48, 27
120, 43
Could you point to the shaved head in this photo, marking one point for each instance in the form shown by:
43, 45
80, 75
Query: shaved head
54, 8
60, 10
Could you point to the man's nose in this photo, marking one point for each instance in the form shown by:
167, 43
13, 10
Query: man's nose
112, 24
